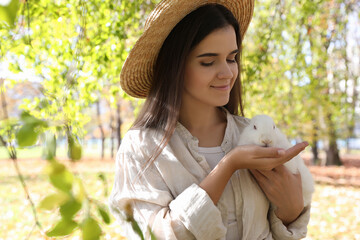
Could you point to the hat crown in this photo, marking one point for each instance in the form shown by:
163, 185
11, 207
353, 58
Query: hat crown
156, 13
137, 71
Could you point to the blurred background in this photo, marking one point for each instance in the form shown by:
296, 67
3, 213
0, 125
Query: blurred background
62, 108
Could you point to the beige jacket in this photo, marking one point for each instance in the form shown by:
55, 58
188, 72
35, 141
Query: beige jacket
167, 197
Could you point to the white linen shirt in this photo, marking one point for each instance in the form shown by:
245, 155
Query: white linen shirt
213, 156
167, 199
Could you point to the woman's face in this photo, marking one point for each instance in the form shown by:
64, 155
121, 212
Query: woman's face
211, 69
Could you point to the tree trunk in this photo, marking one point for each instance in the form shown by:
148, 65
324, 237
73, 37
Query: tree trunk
112, 135
314, 145
332, 153
101, 130
348, 145
315, 151
119, 122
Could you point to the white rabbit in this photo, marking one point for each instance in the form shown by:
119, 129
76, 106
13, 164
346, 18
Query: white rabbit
262, 131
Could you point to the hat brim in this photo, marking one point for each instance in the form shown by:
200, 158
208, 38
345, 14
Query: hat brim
137, 71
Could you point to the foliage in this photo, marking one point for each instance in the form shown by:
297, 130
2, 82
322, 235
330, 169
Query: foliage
8, 12
295, 67
76, 48
70, 196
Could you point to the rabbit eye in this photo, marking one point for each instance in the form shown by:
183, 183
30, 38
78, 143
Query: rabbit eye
255, 127
274, 127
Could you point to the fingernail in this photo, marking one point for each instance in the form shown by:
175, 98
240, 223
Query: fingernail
281, 152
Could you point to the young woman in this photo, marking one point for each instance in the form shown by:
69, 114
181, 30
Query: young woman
179, 166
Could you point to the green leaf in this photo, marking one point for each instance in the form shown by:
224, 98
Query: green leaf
55, 167
31, 120
62, 180
52, 201
60, 177
62, 228
102, 177
104, 213
70, 208
74, 150
27, 136
15, 67
136, 228
8, 12
152, 235
28, 133
79, 190
90, 229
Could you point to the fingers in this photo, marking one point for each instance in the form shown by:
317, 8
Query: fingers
257, 157
292, 152
296, 149
269, 152
273, 152
260, 177
279, 170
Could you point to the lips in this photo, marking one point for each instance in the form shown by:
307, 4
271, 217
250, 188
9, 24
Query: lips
221, 87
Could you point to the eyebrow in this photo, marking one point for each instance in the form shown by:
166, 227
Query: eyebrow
215, 54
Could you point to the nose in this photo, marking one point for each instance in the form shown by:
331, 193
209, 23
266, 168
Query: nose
266, 142
225, 71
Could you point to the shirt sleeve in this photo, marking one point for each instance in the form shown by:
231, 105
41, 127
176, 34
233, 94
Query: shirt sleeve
295, 230
189, 215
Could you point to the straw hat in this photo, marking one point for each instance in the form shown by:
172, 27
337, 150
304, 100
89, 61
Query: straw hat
136, 74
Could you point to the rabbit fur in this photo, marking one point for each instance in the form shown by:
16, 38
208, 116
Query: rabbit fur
262, 131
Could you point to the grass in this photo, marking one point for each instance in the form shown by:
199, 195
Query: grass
33, 152
61, 152
335, 213
335, 210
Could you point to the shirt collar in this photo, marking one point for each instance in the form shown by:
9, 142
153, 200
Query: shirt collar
226, 144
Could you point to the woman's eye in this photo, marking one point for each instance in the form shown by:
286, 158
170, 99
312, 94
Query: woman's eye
207, 64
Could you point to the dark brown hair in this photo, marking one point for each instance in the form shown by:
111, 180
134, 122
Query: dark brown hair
162, 106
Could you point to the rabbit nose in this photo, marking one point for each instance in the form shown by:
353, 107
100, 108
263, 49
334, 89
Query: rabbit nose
266, 142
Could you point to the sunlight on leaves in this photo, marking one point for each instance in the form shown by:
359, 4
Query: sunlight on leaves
54, 200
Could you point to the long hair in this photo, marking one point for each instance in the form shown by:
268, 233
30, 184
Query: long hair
162, 106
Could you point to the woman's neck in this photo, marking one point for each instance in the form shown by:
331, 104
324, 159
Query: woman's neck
207, 124
199, 118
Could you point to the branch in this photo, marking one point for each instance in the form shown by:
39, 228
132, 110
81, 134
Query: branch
21, 178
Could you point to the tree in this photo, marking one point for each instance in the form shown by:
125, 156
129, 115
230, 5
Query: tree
287, 65
77, 49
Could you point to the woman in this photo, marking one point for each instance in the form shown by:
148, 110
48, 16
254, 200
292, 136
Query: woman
179, 166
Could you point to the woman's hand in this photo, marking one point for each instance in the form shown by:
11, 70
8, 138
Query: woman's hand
245, 157
261, 158
284, 190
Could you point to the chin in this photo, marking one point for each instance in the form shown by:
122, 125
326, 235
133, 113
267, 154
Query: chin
218, 101
223, 102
